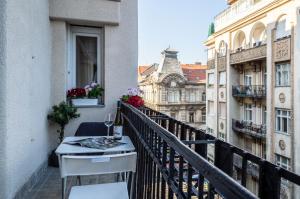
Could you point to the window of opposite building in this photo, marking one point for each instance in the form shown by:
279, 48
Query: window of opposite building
283, 162
191, 117
283, 121
209, 131
211, 79
248, 112
173, 96
222, 110
203, 115
282, 74
210, 108
222, 136
222, 79
85, 63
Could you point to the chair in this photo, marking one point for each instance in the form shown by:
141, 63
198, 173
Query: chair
93, 129
96, 165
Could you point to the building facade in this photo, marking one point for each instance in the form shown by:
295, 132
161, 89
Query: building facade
175, 89
40, 42
253, 80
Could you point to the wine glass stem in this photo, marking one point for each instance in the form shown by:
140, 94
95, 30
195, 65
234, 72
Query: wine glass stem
108, 130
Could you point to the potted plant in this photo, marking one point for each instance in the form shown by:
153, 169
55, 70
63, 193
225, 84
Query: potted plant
61, 114
87, 96
133, 97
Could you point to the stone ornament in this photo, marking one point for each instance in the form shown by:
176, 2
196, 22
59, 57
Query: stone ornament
221, 125
222, 94
222, 63
282, 97
282, 50
282, 145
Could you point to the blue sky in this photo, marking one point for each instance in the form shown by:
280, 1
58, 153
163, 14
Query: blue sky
182, 24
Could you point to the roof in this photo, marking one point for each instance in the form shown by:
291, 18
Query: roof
195, 73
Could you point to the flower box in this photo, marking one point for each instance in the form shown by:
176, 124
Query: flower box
84, 102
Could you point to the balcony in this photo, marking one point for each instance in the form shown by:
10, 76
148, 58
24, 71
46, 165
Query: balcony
249, 128
247, 54
250, 91
172, 162
238, 10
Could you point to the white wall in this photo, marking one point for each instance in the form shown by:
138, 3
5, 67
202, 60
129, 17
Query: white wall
120, 62
27, 91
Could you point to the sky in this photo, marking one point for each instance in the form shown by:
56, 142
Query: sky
180, 24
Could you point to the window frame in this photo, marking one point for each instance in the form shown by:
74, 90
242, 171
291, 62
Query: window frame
209, 75
73, 32
279, 161
222, 84
248, 108
280, 118
279, 81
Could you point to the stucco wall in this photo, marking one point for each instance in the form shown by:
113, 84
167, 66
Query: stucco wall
120, 62
27, 90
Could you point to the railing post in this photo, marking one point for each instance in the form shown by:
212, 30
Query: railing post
269, 181
224, 157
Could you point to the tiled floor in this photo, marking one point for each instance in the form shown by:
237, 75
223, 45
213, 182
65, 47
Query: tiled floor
50, 185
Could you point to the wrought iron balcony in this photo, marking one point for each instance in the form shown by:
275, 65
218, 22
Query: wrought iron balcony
249, 128
172, 161
253, 91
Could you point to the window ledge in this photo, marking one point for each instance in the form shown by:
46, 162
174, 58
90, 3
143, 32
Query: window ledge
91, 106
282, 133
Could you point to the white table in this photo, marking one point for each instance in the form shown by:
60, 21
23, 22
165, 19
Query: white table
68, 149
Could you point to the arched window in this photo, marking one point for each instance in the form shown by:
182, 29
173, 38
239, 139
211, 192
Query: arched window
222, 48
239, 41
258, 34
282, 29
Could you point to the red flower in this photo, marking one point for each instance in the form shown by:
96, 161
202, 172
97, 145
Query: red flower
76, 93
135, 101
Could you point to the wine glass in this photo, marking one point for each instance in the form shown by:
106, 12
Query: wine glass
109, 121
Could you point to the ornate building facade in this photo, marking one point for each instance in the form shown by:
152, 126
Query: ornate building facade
253, 82
175, 89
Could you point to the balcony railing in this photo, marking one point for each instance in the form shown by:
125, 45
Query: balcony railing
237, 11
253, 91
248, 53
249, 128
172, 161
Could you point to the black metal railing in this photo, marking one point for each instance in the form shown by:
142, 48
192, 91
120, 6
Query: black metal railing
249, 128
172, 161
253, 91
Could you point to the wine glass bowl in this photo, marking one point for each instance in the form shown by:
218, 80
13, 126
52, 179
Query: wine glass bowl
109, 121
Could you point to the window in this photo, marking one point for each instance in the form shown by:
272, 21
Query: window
222, 110
248, 145
173, 96
222, 80
211, 79
248, 112
283, 162
203, 96
209, 131
203, 115
248, 80
192, 95
221, 136
283, 74
210, 108
264, 115
222, 49
283, 121
191, 117
173, 115
210, 54
85, 64
281, 29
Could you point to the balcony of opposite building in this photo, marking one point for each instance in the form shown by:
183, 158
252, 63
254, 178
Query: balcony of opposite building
249, 91
249, 128
257, 51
